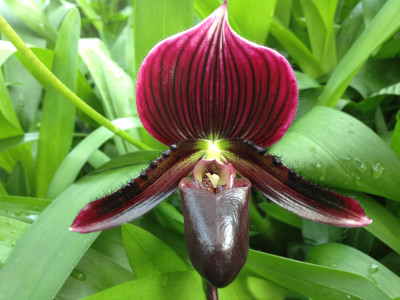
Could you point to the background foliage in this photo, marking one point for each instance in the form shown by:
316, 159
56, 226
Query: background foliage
54, 158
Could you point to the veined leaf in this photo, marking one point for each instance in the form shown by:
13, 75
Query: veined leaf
33, 15
301, 54
252, 18
72, 164
48, 240
166, 286
11, 231
382, 26
57, 123
94, 273
383, 221
317, 282
147, 254
153, 22
320, 17
351, 260
324, 145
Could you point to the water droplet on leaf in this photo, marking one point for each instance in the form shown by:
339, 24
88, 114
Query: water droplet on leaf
358, 181
377, 170
373, 268
77, 274
361, 166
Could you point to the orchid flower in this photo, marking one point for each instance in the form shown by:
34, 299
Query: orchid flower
218, 101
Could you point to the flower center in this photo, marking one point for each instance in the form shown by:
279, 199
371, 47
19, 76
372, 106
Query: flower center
213, 152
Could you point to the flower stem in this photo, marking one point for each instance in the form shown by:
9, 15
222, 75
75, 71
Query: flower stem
212, 292
45, 75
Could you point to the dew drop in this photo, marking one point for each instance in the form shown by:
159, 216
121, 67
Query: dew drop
348, 296
77, 274
345, 158
8, 222
318, 165
358, 181
377, 170
373, 268
361, 166
41, 25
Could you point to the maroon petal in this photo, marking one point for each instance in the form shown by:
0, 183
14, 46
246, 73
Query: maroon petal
210, 83
287, 189
140, 195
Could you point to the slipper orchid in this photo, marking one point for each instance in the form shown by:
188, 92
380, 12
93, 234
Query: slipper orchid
219, 101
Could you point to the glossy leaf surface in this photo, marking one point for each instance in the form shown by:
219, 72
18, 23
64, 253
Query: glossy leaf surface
330, 153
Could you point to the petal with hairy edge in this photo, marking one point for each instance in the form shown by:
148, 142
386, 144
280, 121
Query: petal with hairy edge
210, 83
140, 195
288, 189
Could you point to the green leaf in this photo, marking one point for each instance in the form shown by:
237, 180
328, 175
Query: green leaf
17, 183
314, 281
384, 24
351, 28
114, 85
48, 247
320, 17
316, 233
301, 54
9, 143
33, 15
376, 75
204, 8
57, 123
75, 160
147, 254
252, 18
11, 231
383, 221
94, 273
8, 119
167, 286
304, 81
157, 19
169, 217
334, 148
6, 50
25, 209
351, 260
249, 287
395, 144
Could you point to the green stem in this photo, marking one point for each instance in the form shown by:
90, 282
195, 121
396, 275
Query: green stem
47, 76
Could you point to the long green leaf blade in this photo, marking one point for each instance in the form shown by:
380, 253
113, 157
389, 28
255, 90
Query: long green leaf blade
383, 25
57, 125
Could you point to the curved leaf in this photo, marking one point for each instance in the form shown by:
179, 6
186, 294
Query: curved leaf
334, 148
48, 240
317, 282
147, 254
351, 260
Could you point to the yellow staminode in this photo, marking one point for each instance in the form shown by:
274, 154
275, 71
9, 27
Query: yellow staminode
213, 152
